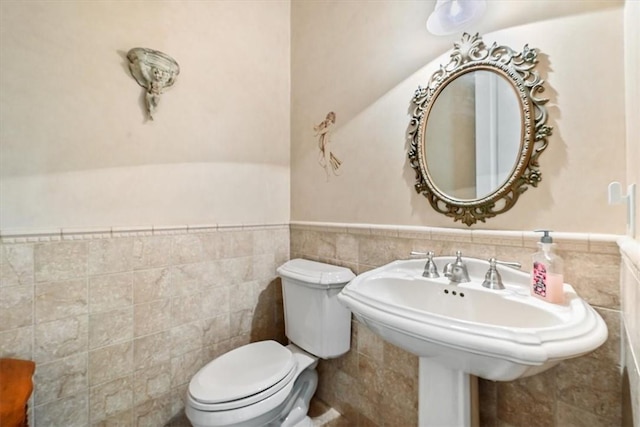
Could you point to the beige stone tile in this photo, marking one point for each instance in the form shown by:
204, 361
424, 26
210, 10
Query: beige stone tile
398, 416
569, 416
502, 238
151, 252
451, 235
111, 362
370, 375
210, 352
54, 262
384, 230
153, 413
488, 401
400, 361
111, 398
241, 296
347, 247
184, 367
306, 243
240, 322
240, 340
61, 378
327, 245
234, 271
591, 383
17, 343
110, 327
110, 292
151, 350
216, 329
71, 411
517, 400
16, 265
377, 251
191, 278
596, 277
178, 397
186, 337
236, 244
186, 309
150, 285
216, 300
16, 307
60, 299
603, 244
188, 248
60, 338
110, 256
348, 363
370, 344
400, 390
152, 317
263, 241
121, 419
264, 266
152, 382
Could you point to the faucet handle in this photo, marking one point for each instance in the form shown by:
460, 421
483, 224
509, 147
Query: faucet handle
492, 279
415, 254
430, 268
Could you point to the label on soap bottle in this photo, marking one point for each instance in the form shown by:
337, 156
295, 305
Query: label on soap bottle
539, 279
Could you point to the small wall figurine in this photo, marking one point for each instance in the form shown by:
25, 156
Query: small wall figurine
327, 159
154, 71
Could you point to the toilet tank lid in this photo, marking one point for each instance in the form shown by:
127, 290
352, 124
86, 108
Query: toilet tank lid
316, 273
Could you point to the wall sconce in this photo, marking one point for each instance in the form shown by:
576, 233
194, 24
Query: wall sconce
154, 71
452, 16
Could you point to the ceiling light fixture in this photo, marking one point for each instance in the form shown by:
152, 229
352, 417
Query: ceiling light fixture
452, 16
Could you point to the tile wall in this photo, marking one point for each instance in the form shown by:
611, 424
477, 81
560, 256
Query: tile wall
118, 321
376, 384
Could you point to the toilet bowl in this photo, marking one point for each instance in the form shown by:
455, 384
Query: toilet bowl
265, 383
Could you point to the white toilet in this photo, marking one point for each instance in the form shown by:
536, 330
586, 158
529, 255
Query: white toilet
265, 383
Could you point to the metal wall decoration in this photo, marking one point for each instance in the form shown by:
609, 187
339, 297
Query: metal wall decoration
327, 159
516, 68
154, 71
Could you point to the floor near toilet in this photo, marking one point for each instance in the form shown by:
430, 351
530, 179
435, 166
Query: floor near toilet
320, 413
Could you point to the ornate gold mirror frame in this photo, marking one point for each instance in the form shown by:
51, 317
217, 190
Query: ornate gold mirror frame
471, 54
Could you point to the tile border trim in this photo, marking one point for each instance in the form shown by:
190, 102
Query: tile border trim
39, 235
587, 242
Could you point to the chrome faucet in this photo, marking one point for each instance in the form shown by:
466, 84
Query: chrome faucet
457, 271
492, 279
430, 269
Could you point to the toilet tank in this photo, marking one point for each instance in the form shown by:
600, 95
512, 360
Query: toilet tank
314, 319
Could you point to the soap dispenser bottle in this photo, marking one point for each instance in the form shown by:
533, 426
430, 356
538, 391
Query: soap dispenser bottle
547, 281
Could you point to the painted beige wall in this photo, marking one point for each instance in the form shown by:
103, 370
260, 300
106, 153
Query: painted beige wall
367, 67
76, 148
632, 63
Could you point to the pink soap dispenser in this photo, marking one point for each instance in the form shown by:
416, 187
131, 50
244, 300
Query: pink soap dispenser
547, 281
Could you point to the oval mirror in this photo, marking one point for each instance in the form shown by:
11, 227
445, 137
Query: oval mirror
477, 131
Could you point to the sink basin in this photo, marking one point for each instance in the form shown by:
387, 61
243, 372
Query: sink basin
499, 335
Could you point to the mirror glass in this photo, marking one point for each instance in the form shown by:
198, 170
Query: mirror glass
473, 135
478, 129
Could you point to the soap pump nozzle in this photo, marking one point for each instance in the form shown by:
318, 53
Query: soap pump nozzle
546, 238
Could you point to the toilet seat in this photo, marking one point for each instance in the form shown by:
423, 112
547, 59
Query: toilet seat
242, 377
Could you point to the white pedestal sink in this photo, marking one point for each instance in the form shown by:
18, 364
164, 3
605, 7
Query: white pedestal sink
459, 330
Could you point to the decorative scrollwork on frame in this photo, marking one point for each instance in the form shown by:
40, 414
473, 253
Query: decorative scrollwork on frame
518, 68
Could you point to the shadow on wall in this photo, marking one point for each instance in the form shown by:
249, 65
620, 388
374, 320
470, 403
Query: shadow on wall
268, 315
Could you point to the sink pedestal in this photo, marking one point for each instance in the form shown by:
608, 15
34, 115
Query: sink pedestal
446, 397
